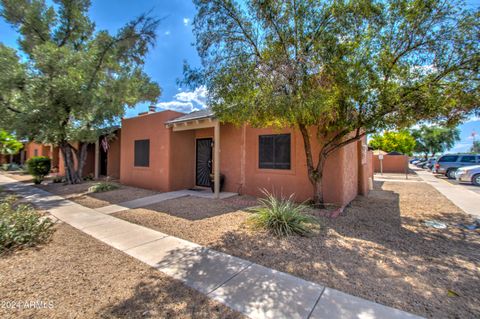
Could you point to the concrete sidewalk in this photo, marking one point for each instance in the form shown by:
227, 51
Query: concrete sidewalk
149, 200
464, 198
251, 289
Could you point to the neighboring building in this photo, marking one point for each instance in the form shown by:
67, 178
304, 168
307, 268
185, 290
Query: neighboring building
168, 151
390, 163
103, 158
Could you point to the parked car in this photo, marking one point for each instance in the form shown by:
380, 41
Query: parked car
469, 174
414, 159
420, 163
449, 163
430, 163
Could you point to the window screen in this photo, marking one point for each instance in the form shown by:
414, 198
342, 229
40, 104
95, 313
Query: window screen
274, 151
142, 153
468, 159
35, 152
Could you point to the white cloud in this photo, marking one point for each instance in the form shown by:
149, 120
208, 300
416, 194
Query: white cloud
186, 21
473, 119
187, 101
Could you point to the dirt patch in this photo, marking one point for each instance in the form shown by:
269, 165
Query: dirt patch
378, 249
79, 193
79, 277
196, 219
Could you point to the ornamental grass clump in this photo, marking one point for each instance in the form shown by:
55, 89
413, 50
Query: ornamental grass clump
282, 216
21, 225
102, 187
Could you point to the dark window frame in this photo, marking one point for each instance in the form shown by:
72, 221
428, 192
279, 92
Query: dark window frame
139, 158
268, 147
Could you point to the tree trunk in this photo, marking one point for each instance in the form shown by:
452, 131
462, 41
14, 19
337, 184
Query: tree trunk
71, 175
318, 193
81, 158
315, 173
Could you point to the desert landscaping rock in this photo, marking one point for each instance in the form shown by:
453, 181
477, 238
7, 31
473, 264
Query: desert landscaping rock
84, 278
378, 249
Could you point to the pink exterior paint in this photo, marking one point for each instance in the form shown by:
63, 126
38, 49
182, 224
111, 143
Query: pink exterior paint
391, 164
172, 161
157, 175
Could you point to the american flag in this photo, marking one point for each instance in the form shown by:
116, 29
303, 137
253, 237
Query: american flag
105, 144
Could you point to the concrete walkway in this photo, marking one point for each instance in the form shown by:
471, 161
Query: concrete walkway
150, 200
462, 197
251, 289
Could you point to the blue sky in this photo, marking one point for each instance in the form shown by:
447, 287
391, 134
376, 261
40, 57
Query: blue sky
174, 45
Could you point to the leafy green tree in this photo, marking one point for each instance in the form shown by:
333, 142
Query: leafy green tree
435, 139
402, 142
8, 144
336, 70
475, 147
72, 81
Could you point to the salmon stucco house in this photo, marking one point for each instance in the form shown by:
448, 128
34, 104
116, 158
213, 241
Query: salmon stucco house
168, 151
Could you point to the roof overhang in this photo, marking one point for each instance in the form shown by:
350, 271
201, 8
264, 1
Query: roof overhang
192, 124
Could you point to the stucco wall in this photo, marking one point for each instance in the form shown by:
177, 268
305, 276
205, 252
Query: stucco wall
239, 151
42, 150
391, 163
172, 161
152, 127
182, 160
113, 155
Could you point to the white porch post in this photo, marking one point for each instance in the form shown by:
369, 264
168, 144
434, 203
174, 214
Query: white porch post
97, 159
216, 159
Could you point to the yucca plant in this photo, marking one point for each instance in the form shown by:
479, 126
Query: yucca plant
282, 216
102, 187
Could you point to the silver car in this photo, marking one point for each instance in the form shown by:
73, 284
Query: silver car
449, 163
469, 174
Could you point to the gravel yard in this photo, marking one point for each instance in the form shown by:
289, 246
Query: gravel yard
79, 192
378, 249
79, 277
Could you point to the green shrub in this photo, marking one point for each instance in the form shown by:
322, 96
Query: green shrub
282, 217
102, 187
39, 167
21, 225
10, 167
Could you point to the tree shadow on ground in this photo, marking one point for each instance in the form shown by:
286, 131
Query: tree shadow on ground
380, 249
195, 208
158, 297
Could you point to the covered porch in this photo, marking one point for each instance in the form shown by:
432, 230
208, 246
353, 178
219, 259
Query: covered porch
205, 132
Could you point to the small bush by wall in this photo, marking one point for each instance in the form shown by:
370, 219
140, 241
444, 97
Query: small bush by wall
39, 167
102, 187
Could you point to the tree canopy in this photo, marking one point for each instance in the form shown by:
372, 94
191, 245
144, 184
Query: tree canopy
435, 139
402, 142
8, 144
345, 68
69, 81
